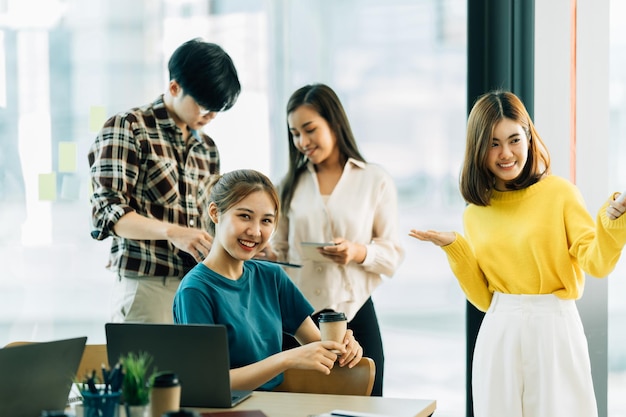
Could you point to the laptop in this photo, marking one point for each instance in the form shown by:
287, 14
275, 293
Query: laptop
38, 376
198, 354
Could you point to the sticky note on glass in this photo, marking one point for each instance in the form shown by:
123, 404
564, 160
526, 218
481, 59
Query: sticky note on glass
70, 187
67, 157
97, 117
48, 187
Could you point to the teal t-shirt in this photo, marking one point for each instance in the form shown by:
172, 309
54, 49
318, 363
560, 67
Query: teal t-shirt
256, 309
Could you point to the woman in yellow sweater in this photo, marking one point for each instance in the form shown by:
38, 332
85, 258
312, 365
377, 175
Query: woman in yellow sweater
527, 239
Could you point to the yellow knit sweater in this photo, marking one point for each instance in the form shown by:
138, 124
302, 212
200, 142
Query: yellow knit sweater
538, 240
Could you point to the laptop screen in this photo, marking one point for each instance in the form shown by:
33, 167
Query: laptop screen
198, 354
46, 369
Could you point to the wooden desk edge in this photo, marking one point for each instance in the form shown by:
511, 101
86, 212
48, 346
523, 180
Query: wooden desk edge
285, 404
428, 411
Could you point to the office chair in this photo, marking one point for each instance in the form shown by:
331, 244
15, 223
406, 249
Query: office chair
342, 381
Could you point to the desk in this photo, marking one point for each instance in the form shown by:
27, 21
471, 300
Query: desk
289, 404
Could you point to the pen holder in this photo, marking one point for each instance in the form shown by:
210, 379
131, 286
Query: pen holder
101, 404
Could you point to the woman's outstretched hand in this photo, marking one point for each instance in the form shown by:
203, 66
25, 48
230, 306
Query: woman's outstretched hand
616, 207
438, 238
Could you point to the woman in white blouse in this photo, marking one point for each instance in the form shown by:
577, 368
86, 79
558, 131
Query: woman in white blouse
331, 195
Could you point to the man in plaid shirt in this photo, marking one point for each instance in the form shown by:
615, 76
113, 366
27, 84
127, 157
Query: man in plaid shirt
150, 167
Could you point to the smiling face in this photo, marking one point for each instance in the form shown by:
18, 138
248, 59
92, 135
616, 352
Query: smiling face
244, 229
312, 135
508, 152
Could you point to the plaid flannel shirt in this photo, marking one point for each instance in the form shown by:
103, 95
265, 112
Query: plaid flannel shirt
140, 162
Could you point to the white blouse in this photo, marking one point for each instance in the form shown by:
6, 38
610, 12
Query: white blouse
363, 208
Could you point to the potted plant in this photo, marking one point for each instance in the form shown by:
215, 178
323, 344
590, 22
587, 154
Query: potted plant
137, 383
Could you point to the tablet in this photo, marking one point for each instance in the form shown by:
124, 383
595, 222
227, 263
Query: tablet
309, 251
285, 264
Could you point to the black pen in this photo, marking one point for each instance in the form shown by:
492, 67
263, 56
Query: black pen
91, 383
117, 376
105, 378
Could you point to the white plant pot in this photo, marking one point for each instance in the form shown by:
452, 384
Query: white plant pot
136, 410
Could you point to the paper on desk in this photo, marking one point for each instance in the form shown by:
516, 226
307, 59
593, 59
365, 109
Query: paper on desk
235, 413
347, 413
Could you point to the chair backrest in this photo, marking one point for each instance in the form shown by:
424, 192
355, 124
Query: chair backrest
358, 380
94, 356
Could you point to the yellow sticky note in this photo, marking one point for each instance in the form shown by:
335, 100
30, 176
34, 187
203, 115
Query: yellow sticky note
67, 157
97, 117
48, 187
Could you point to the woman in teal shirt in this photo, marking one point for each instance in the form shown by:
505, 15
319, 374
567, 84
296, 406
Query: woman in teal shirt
255, 300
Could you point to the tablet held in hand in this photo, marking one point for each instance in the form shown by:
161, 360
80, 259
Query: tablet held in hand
310, 251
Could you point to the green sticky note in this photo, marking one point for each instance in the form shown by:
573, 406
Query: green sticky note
67, 157
48, 187
97, 117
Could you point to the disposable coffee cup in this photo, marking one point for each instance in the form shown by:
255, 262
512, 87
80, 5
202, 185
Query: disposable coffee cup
333, 326
165, 394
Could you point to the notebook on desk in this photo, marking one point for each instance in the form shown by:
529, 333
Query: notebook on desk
38, 376
198, 354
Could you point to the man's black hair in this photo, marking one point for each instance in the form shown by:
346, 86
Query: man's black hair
206, 73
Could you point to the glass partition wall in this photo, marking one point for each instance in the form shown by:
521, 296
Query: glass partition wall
399, 67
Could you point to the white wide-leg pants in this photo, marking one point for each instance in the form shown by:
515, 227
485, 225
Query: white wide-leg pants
531, 360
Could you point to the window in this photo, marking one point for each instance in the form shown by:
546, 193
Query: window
617, 175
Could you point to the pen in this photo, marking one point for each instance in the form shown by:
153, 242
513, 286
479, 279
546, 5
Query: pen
105, 377
91, 383
117, 376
